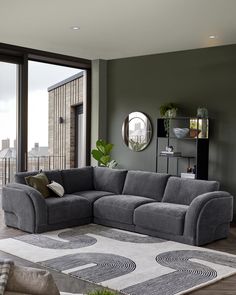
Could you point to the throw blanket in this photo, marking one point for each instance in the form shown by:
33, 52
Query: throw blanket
5, 267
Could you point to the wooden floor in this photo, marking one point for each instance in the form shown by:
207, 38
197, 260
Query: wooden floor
68, 284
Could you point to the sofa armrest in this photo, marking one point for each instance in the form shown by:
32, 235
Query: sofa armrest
27, 206
208, 217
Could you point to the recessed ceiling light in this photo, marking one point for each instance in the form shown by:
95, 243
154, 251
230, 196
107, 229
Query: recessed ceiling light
75, 28
212, 37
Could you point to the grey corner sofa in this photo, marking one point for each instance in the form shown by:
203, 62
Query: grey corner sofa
184, 210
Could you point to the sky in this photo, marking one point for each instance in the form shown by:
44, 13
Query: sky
41, 76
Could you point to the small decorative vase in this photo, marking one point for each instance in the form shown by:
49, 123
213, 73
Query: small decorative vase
202, 113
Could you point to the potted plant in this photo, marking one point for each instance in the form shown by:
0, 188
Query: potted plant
167, 111
102, 154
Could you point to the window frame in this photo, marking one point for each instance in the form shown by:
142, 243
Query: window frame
21, 56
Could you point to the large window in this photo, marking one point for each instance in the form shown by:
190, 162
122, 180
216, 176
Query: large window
8, 76
40, 127
54, 93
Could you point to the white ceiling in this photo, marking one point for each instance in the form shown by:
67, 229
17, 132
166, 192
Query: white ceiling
117, 28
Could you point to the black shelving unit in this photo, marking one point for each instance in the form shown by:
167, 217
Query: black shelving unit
194, 146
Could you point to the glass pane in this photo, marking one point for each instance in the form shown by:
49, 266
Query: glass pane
54, 93
7, 122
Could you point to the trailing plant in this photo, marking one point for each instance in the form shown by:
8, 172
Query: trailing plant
164, 108
167, 111
102, 154
102, 292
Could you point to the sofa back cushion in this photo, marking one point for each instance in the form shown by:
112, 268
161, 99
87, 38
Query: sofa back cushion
183, 190
20, 176
109, 180
77, 179
52, 175
146, 184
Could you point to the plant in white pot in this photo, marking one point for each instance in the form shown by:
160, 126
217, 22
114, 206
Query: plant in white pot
168, 111
102, 154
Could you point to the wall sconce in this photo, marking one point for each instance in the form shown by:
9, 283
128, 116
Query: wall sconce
61, 120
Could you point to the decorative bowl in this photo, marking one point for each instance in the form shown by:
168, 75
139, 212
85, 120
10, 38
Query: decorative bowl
194, 133
180, 132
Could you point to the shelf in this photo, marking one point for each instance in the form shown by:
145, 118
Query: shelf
173, 156
194, 151
184, 118
184, 138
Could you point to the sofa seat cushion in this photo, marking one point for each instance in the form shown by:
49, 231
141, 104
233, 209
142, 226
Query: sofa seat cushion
162, 217
93, 195
184, 191
111, 180
118, 207
68, 207
146, 184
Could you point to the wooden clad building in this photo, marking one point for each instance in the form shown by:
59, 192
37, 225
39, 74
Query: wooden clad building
65, 103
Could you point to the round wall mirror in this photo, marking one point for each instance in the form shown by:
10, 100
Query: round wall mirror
137, 131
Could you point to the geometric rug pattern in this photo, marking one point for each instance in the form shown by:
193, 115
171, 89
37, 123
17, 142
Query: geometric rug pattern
128, 262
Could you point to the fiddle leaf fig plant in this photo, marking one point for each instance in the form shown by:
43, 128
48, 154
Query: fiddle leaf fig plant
102, 154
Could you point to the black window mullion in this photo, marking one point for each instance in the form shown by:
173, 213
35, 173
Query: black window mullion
22, 116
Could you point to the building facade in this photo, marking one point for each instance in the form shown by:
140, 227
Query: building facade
65, 100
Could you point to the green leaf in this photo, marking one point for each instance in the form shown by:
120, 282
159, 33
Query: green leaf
100, 144
105, 160
97, 155
108, 148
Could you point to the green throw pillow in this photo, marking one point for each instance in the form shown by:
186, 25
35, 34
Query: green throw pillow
39, 182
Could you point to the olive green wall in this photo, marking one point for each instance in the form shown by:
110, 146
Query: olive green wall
193, 78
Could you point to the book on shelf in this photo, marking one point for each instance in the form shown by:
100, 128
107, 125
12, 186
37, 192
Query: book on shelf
174, 154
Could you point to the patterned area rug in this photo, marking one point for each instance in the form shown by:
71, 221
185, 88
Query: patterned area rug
131, 263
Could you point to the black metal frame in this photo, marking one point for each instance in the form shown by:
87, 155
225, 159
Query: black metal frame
21, 56
201, 149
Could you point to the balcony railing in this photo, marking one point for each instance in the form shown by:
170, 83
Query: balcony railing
8, 166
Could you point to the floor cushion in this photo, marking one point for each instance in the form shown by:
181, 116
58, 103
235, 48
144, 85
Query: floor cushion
161, 217
27, 280
68, 207
118, 208
93, 195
